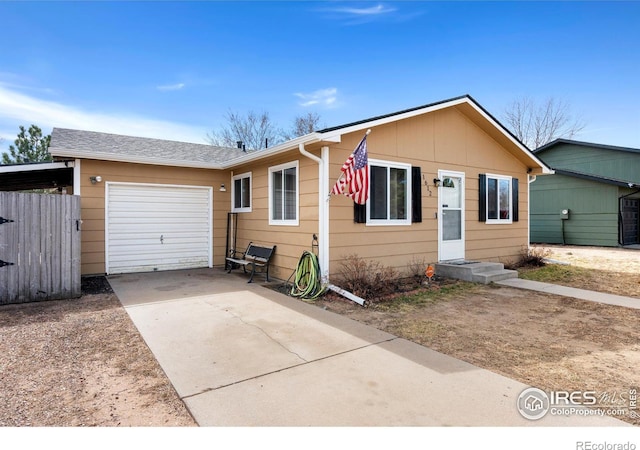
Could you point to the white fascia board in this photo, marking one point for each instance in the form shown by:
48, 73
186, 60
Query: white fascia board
33, 167
79, 154
393, 118
334, 136
293, 144
523, 149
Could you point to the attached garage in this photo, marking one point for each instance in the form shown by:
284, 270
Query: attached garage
152, 227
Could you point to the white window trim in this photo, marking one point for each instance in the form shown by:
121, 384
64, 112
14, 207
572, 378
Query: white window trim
390, 222
499, 177
290, 222
233, 192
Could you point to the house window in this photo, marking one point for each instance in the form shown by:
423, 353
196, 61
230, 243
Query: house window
389, 193
241, 193
283, 194
500, 198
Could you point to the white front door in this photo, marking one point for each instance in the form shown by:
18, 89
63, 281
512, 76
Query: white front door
450, 215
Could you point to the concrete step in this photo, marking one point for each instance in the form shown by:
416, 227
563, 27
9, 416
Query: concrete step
478, 272
494, 275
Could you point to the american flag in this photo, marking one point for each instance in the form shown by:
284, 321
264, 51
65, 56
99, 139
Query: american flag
354, 181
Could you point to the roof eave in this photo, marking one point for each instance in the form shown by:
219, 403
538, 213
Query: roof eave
33, 167
293, 144
559, 141
79, 154
586, 176
540, 167
329, 135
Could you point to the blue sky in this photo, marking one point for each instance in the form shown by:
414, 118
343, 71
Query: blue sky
174, 69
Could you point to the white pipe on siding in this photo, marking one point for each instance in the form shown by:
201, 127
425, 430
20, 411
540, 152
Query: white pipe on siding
323, 208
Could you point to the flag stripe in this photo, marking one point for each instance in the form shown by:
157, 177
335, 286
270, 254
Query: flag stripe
354, 181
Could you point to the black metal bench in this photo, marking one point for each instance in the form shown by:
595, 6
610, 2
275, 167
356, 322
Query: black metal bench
255, 256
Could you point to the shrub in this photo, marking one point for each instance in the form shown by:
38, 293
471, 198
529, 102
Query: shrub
533, 257
367, 279
416, 269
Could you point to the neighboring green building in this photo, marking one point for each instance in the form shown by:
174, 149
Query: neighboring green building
592, 199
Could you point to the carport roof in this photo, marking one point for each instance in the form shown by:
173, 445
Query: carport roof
43, 175
113, 147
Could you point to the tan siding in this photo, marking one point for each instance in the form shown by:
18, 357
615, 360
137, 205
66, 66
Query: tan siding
93, 202
419, 130
291, 241
443, 140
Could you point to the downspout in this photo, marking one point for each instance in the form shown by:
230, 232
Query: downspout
323, 208
323, 221
531, 179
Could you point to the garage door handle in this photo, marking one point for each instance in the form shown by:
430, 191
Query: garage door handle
162, 238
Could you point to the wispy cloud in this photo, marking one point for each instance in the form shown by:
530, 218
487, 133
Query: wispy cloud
17, 109
352, 15
323, 97
375, 10
171, 87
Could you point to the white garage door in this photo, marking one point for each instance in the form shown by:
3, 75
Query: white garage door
157, 227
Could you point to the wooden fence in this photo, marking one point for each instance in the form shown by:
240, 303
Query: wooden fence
39, 247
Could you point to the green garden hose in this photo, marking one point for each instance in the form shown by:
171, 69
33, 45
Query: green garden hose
308, 281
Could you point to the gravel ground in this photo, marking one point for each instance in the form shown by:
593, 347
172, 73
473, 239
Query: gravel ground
81, 362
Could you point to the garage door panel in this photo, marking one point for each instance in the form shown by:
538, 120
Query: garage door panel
140, 208
155, 197
158, 227
143, 239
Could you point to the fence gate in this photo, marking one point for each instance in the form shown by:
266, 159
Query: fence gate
39, 247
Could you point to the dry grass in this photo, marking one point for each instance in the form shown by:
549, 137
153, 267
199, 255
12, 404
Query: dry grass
614, 271
542, 340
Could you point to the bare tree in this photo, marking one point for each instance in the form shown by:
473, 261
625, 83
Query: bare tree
255, 131
538, 124
302, 125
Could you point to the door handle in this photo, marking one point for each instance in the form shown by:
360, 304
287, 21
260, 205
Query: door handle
162, 238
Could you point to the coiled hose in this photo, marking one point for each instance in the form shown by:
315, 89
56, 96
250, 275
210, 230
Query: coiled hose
307, 283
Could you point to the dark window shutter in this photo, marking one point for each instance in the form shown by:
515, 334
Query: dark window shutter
416, 195
359, 213
514, 199
482, 197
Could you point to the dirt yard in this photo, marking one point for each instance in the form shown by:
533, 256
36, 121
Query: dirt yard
546, 341
82, 362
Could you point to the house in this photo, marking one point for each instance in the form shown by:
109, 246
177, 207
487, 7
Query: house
447, 182
592, 199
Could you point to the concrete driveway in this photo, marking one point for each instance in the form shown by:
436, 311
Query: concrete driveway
240, 354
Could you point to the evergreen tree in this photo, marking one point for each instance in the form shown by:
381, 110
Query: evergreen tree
30, 146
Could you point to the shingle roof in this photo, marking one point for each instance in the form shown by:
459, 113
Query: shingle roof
430, 105
67, 142
93, 145
586, 144
397, 113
